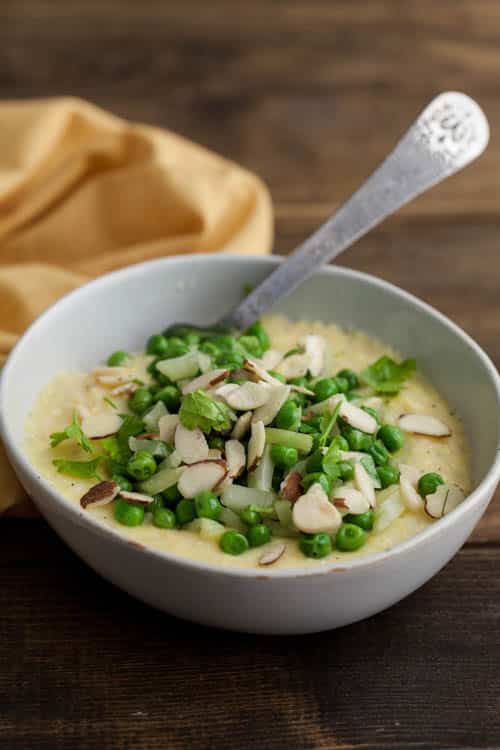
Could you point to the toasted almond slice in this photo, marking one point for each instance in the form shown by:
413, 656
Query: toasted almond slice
356, 417
214, 454
235, 457
270, 359
112, 376
315, 349
421, 424
202, 476
100, 494
364, 484
444, 500
127, 389
354, 455
409, 494
374, 402
277, 397
259, 372
136, 498
224, 390
294, 366
242, 426
313, 512
290, 487
256, 445
301, 389
167, 426
272, 553
411, 473
191, 445
101, 425
207, 380
329, 404
248, 396
351, 500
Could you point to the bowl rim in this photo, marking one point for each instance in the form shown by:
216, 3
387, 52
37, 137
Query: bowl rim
75, 514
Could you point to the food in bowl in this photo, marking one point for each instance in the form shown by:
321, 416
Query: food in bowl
294, 443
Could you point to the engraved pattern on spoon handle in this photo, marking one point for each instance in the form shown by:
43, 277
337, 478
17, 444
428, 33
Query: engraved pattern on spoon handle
451, 132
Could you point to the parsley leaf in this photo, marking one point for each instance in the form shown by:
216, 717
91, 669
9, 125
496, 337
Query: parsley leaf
199, 410
72, 432
387, 376
327, 423
80, 469
130, 427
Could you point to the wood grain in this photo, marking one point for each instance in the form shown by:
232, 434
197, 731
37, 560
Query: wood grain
310, 94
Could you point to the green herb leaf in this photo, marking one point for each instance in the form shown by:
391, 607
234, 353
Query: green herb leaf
130, 427
327, 424
111, 403
80, 469
297, 350
369, 465
387, 376
199, 410
72, 432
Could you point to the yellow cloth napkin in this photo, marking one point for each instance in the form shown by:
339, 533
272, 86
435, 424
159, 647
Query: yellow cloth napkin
83, 192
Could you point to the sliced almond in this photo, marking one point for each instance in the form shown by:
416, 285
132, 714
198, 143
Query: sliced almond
214, 454
112, 376
224, 390
374, 402
272, 553
329, 404
100, 494
313, 512
248, 396
357, 418
364, 484
409, 494
235, 457
290, 487
259, 372
420, 424
201, 477
271, 359
127, 389
301, 389
411, 473
167, 426
191, 445
350, 500
294, 366
315, 349
444, 500
256, 445
278, 394
136, 498
207, 380
83, 411
101, 425
242, 426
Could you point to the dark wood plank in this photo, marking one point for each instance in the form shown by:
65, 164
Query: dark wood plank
83, 665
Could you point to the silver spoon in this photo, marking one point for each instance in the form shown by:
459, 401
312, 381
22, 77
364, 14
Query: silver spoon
451, 132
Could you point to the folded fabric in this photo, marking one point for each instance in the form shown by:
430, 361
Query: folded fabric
83, 192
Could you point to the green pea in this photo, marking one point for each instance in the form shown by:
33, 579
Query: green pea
141, 466
208, 347
258, 535
325, 388
127, 514
117, 359
392, 437
140, 401
307, 429
170, 396
388, 475
252, 345
346, 470
358, 441
379, 452
428, 483
342, 384
157, 345
340, 443
171, 495
176, 347
157, 504
122, 482
372, 412
363, 520
192, 339
350, 537
207, 505
314, 462
317, 477
283, 456
250, 517
302, 382
233, 543
185, 511
277, 376
315, 545
164, 518
351, 378
258, 330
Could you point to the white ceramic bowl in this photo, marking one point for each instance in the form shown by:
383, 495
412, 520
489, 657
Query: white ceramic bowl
123, 308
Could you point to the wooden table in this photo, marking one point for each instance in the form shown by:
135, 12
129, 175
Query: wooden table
310, 95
